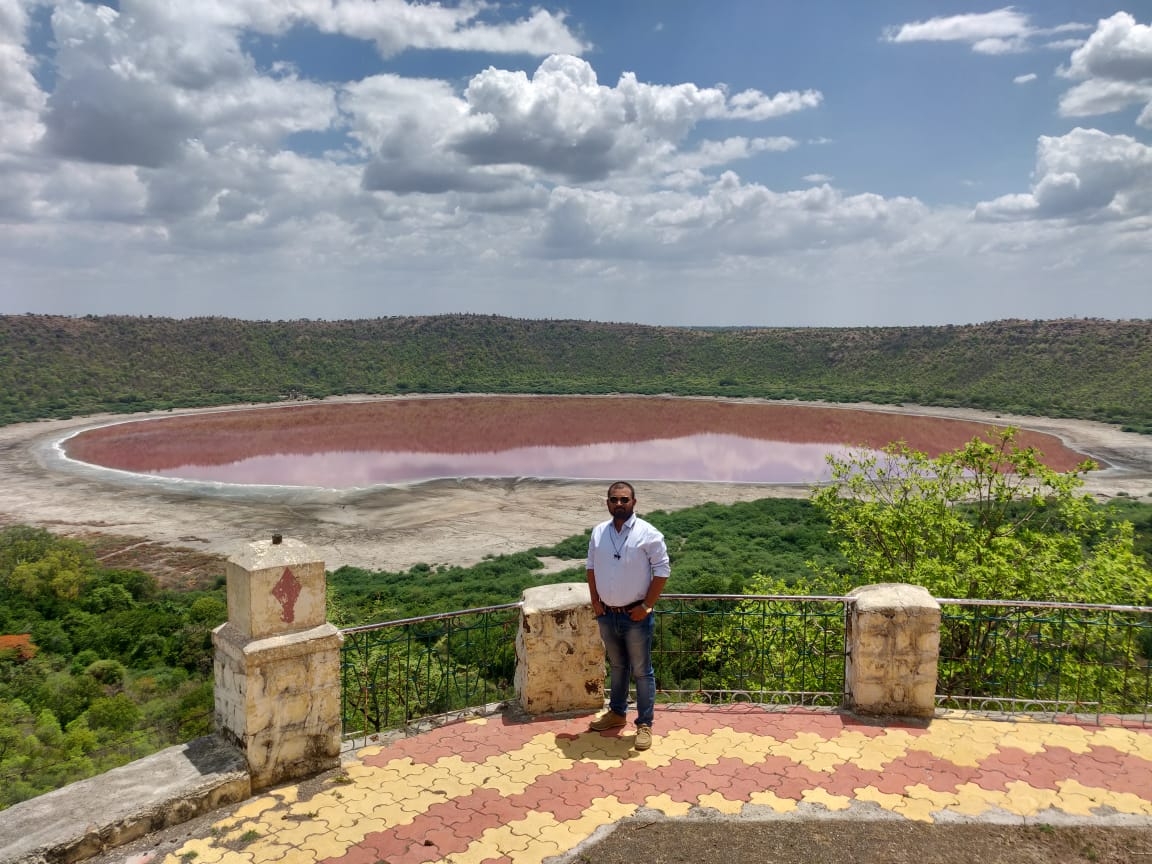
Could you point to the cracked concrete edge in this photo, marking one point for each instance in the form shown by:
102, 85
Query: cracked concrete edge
83, 819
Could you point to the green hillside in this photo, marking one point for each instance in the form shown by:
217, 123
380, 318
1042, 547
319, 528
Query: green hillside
53, 366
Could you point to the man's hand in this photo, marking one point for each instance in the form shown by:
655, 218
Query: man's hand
638, 613
597, 607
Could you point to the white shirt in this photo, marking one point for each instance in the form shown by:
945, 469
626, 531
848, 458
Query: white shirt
626, 562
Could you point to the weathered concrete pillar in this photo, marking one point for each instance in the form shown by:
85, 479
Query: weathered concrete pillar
277, 663
559, 654
893, 643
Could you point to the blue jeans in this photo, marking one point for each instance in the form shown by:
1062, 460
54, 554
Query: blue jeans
628, 647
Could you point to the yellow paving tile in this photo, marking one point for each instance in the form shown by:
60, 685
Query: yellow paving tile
748, 748
1029, 742
1027, 800
262, 853
356, 833
403, 768
884, 799
657, 757
359, 771
717, 801
295, 834
966, 744
973, 800
611, 807
568, 835
420, 802
254, 807
322, 846
826, 799
882, 750
664, 803
286, 794
335, 815
235, 831
538, 850
682, 744
1077, 799
810, 750
1126, 802
585, 825
532, 823
393, 814
1128, 741
1074, 738
933, 800
922, 802
355, 793
488, 845
771, 799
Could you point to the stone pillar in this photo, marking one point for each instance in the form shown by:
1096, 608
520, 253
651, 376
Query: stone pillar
893, 641
559, 654
277, 663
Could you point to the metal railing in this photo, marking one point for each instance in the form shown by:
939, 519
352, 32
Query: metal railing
399, 671
1035, 657
769, 649
995, 655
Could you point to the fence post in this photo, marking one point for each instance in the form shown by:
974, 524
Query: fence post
559, 654
893, 642
277, 663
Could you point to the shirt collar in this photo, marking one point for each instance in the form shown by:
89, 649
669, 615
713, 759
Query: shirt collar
628, 523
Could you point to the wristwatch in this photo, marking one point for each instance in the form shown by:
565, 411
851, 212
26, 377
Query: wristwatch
647, 609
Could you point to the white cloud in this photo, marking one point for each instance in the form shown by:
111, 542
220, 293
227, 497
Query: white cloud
134, 90
163, 156
1002, 31
1024, 79
1084, 176
730, 218
999, 24
1114, 68
21, 100
559, 123
393, 25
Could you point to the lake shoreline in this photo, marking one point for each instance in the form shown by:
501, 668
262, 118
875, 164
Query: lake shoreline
457, 522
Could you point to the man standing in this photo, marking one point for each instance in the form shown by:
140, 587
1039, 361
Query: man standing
627, 569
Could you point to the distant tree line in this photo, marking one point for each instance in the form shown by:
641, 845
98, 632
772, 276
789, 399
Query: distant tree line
52, 366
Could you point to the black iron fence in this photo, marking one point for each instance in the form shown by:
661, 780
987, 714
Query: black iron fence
1010, 656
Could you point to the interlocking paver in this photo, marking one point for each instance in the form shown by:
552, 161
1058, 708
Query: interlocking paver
824, 799
496, 790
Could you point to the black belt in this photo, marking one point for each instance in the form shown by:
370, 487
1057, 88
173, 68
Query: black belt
620, 609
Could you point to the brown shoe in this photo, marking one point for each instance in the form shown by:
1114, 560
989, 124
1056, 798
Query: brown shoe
608, 720
643, 737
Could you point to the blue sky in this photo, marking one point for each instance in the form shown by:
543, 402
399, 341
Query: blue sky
824, 163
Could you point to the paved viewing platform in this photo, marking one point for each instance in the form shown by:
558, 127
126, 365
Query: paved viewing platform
500, 789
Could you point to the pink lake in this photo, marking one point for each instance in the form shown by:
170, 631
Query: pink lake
400, 441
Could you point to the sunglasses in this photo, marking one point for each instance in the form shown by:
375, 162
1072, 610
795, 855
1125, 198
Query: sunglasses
623, 500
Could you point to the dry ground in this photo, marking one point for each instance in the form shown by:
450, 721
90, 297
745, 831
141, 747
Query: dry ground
842, 841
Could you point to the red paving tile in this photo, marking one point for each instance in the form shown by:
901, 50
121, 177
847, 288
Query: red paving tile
846, 779
689, 791
741, 788
637, 793
993, 781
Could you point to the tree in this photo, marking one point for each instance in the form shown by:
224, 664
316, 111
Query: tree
990, 521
